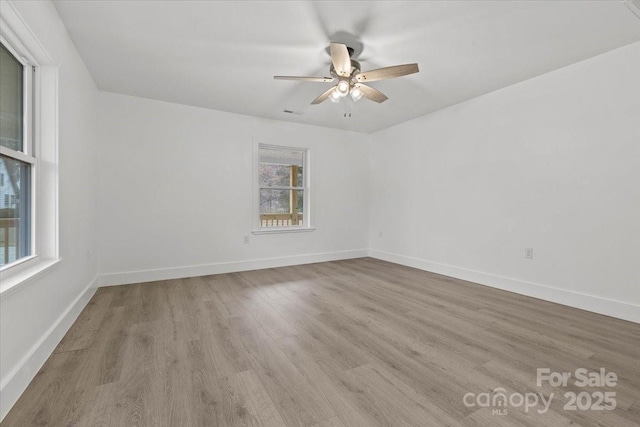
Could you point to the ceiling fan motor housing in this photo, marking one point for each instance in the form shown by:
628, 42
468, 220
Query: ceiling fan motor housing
355, 69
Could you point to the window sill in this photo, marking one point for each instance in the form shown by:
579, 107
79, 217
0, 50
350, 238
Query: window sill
10, 282
278, 230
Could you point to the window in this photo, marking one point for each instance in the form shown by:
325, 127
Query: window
17, 161
28, 154
283, 190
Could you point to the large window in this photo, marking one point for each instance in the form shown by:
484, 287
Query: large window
28, 154
283, 190
17, 160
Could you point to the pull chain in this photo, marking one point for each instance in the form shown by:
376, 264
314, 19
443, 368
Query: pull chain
347, 107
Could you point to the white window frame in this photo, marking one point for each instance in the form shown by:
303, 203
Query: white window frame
27, 154
307, 214
41, 150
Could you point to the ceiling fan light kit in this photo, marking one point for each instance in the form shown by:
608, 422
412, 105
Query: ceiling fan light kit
342, 88
350, 79
356, 93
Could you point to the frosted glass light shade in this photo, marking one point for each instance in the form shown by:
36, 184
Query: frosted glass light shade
343, 88
335, 96
356, 93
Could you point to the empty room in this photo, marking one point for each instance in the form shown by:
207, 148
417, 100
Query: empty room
319, 213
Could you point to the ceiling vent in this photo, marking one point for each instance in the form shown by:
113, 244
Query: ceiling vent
634, 6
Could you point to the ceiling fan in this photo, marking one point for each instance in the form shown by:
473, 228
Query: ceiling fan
350, 79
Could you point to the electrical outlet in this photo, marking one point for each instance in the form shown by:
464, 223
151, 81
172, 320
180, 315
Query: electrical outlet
528, 253
246, 239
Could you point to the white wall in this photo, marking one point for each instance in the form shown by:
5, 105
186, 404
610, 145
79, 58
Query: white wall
35, 316
552, 163
175, 191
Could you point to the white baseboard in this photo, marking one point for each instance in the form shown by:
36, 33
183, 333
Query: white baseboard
617, 309
19, 378
223, 267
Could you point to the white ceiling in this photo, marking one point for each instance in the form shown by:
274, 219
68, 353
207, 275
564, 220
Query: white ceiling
223, 55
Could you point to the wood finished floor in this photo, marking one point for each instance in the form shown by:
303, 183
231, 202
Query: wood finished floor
348, 343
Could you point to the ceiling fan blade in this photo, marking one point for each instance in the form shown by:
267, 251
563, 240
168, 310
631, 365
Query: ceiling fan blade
371, 93
305, 79
322, 97
340, 58
387, 73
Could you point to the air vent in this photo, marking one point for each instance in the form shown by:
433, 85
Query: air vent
634, 6
298, 113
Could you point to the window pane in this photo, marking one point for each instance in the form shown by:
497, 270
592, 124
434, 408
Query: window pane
274, 201
275, 208
10, 101
274, 175
15, 210
277, 167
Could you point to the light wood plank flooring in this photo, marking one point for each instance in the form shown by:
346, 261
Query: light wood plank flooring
348, 343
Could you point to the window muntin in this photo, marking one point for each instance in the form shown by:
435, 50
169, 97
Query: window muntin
17, 163
282, 187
